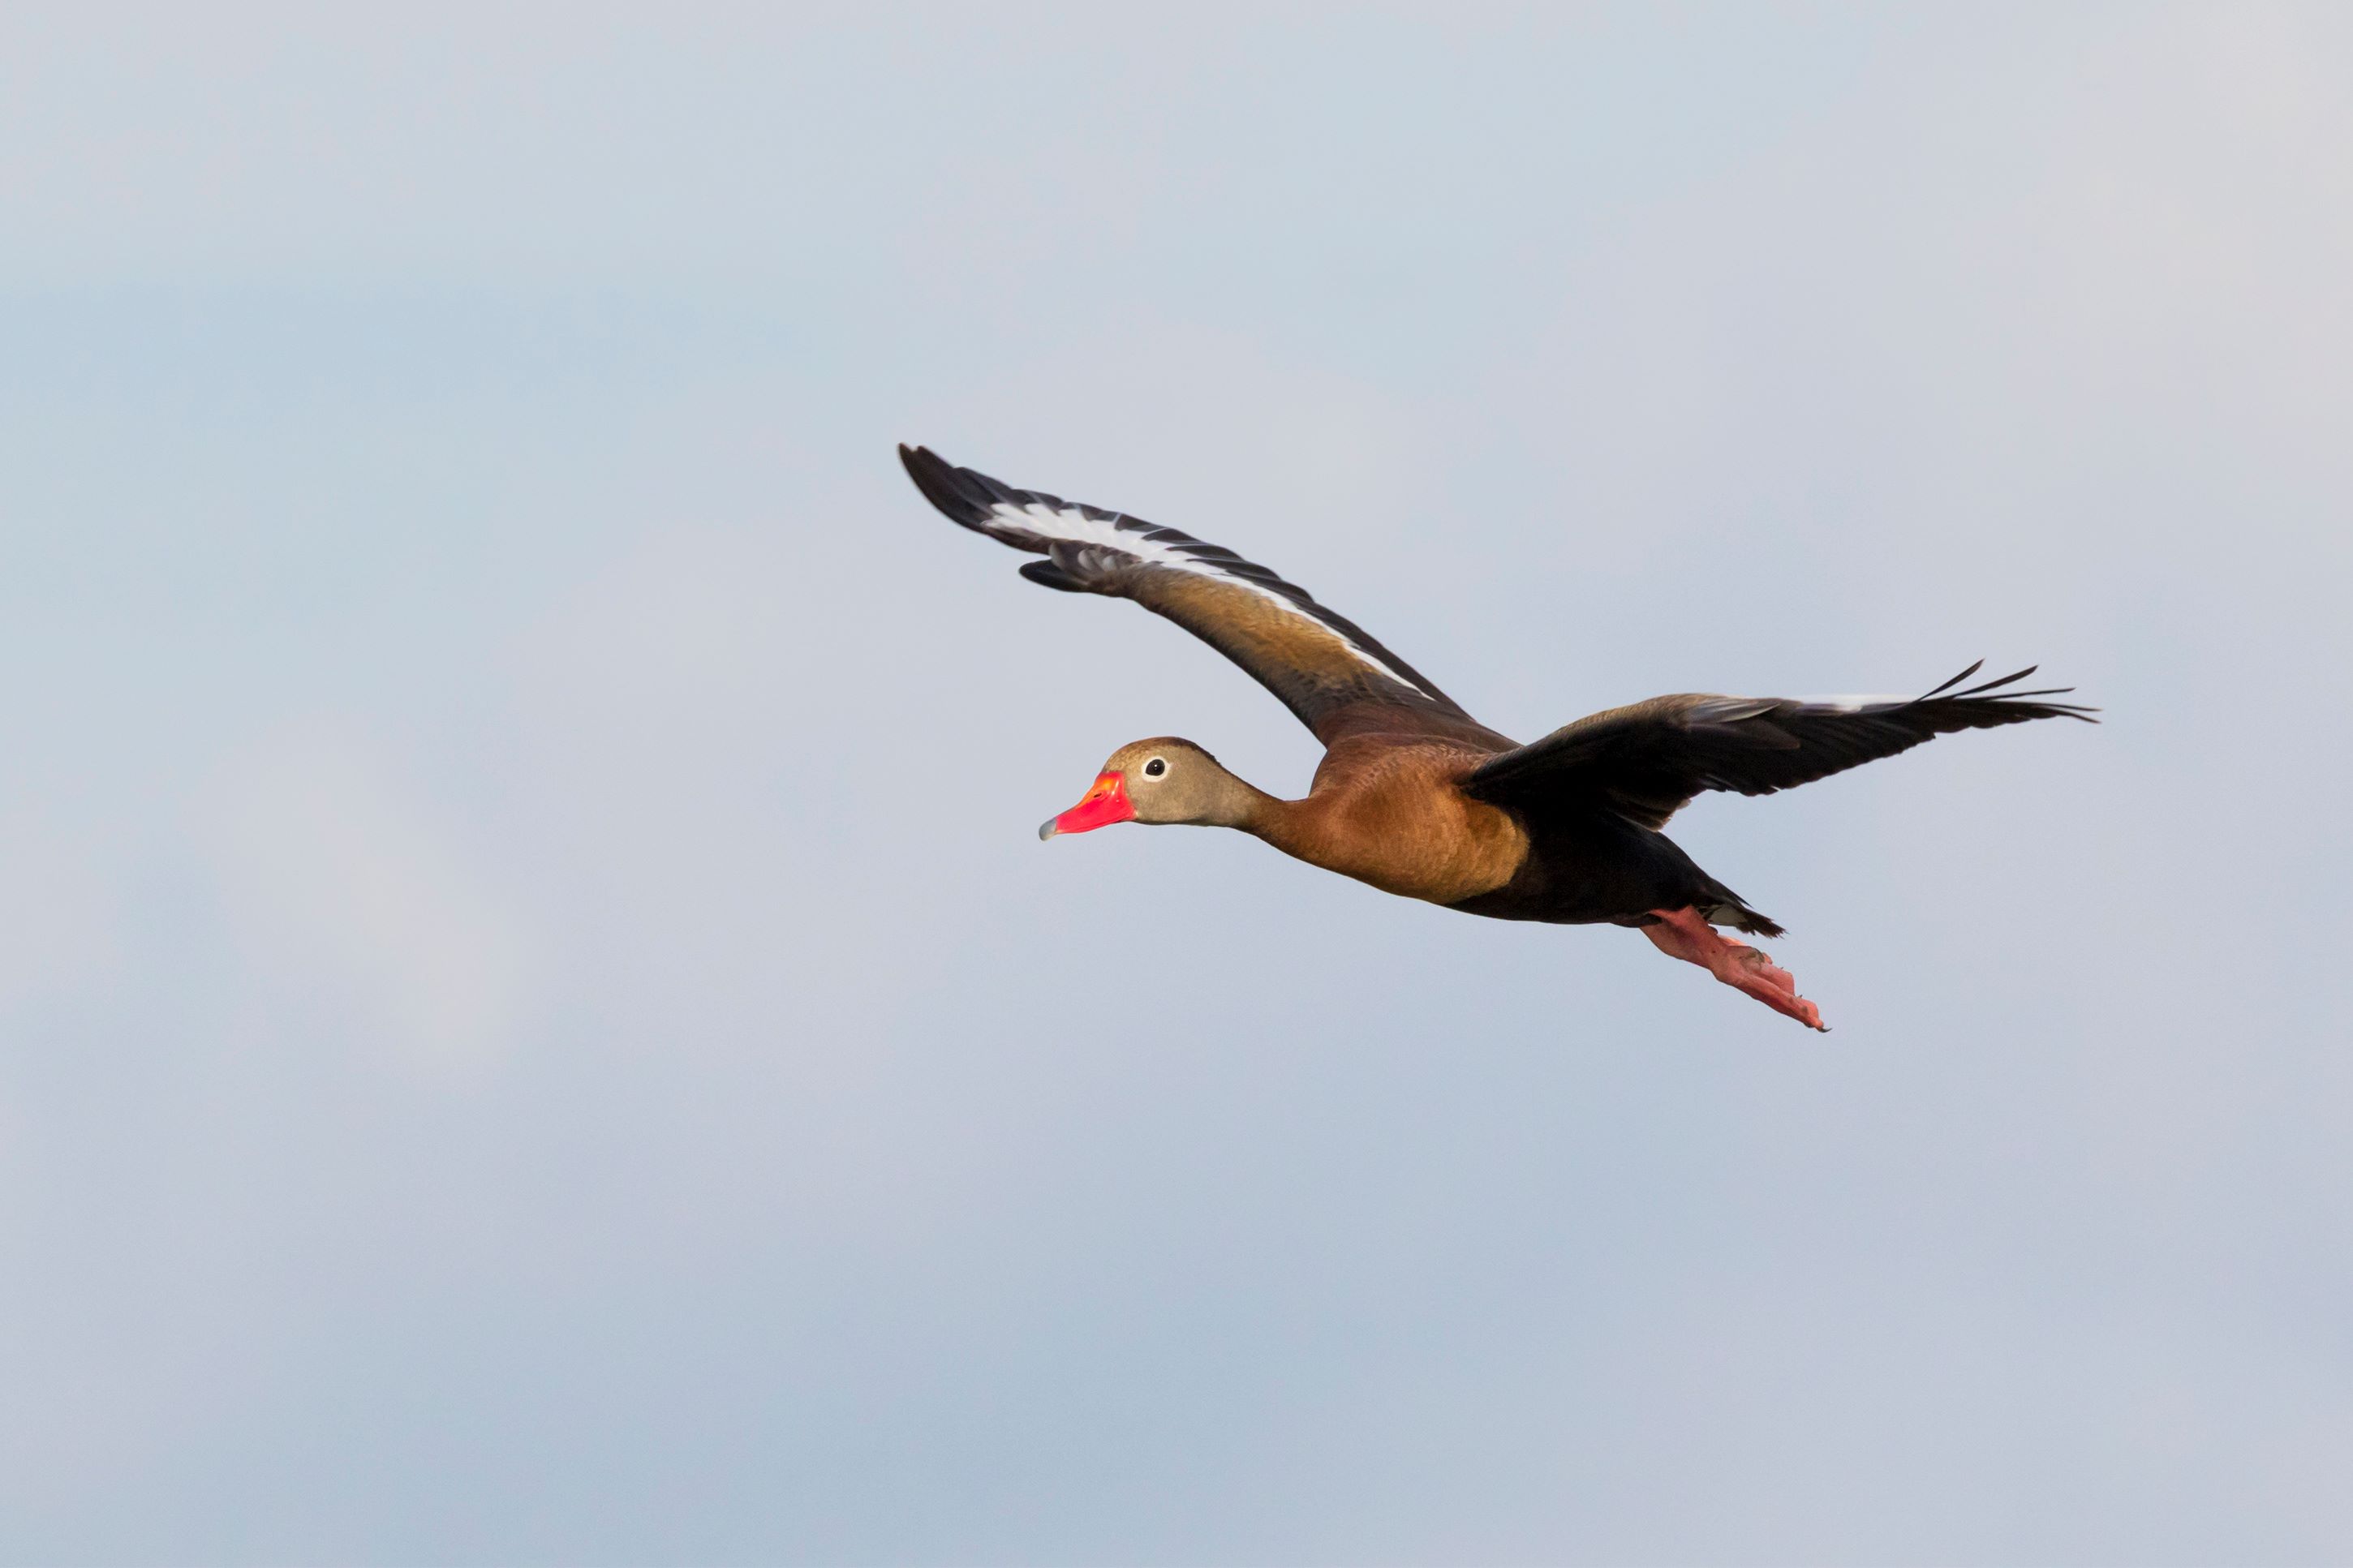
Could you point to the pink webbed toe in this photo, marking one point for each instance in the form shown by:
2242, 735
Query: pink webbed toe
1683, 934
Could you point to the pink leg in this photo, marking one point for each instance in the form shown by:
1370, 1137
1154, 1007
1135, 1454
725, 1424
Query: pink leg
1682, 933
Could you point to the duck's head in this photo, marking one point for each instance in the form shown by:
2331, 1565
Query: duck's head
1160, 780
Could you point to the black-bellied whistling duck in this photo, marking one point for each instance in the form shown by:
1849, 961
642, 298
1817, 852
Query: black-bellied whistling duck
1416, 797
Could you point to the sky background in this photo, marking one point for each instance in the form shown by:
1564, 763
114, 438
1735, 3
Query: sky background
533, 1025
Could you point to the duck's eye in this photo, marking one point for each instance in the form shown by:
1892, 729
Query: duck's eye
1156, 767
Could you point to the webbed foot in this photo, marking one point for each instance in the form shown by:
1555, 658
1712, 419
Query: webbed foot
1682, 933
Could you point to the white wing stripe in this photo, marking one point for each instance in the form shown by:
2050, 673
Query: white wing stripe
1853, 704
1070, 525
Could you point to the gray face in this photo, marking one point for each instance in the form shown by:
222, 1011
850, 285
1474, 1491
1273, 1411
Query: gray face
1162, 779
1171, 780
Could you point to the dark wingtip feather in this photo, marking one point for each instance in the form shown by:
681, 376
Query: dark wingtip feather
921, 462
936, 479
1992, 705
961, 495
2006, 680
1955, 681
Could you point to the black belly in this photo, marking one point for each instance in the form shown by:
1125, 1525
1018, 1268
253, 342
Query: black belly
1586, 869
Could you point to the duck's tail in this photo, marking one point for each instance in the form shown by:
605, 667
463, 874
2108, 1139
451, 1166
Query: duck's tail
1720, 906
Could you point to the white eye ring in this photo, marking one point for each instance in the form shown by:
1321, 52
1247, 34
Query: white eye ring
1156, 767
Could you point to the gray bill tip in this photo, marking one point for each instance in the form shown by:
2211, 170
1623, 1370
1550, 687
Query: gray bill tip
1047, 830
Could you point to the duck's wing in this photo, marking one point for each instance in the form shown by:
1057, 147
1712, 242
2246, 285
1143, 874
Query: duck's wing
1321, 666
1647, 761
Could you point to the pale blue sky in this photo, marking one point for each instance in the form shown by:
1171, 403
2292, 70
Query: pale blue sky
534, 1027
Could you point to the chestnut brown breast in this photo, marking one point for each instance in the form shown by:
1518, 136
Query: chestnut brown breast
1389, 813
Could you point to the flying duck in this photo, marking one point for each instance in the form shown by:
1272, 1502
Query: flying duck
1419, 798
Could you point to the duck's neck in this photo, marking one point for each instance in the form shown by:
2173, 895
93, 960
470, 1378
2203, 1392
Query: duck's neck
1307, 830
1282, 823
